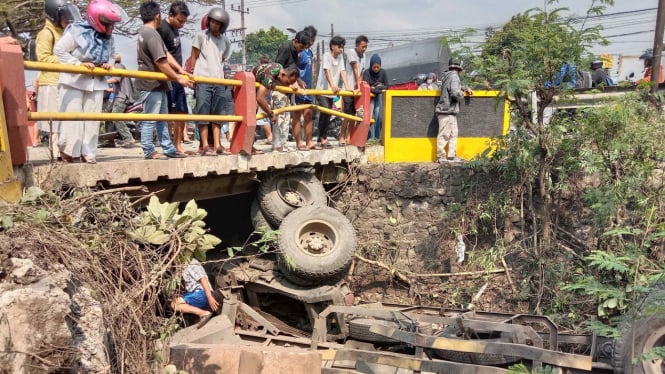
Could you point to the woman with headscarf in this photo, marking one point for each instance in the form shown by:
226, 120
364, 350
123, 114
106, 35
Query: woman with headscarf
377, 79
87, 43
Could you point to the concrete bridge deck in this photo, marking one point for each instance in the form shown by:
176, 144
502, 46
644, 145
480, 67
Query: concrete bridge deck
192, 177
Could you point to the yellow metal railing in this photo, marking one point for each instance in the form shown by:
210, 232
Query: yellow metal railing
62, 68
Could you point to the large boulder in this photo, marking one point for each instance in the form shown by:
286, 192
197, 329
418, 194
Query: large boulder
48, 322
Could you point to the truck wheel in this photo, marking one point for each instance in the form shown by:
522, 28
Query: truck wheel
283, 192
316, 245
359, 330
642, 330
453, 332
257, 217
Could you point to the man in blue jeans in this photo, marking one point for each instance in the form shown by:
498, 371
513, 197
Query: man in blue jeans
153, 56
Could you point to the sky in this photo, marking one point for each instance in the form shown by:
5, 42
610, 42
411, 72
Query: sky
629, 24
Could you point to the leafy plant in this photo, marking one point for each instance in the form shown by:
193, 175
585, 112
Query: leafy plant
266, 239
161, 224
522, 369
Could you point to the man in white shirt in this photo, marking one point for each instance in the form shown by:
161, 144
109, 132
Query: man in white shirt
355, 66
332, 69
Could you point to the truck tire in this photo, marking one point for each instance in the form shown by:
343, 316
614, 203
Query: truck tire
257, 217
453, 332
316, 245
359, 330
283, 192
642, 330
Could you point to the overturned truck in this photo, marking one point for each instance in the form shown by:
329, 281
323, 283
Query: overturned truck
296, 314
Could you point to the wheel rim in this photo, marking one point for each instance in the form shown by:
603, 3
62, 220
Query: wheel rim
655, 339
317, 238
294, 193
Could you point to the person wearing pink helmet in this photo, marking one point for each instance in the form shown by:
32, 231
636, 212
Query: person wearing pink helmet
87, 43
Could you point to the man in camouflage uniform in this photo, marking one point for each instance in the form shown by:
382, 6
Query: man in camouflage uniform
270, 76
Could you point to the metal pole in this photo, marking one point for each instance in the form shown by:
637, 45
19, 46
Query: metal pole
658, 46
242, 26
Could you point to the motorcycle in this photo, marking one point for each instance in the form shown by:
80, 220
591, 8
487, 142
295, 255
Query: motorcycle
110, 135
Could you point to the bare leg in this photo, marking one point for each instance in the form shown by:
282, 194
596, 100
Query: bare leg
185, 135
307, 115
296, 128
203, 132
171, 127
179, 129
216, 135
268, 132
181, 306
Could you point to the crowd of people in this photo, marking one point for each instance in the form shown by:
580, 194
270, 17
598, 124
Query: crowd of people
69, 38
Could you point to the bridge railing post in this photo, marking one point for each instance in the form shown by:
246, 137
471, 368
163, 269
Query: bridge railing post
245, 106
359, 132
12, 83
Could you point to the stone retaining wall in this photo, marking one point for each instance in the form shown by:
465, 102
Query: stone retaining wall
399, 210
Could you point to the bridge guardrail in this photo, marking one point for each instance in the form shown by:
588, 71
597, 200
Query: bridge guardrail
245, 103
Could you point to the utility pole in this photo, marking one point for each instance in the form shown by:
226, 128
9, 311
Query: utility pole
242, 12
658, 46
332, 30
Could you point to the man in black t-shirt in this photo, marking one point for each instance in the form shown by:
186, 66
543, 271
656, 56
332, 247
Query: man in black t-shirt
152, 56
287, 55
177, 100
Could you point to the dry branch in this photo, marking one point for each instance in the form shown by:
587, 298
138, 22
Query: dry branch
407, 276
127, 280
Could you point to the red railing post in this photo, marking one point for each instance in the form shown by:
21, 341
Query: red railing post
245, 106
359, 132
12, 83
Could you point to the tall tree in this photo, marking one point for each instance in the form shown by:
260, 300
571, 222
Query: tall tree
260, 43
24, 18
527, 58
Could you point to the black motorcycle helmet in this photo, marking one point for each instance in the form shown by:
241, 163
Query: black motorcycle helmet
219, 15
57, 10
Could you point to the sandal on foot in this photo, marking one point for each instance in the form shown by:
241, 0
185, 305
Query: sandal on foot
315, 147
155, 156
66, 158
222, 151
257, 151
326, 146
89, 160
207, 152
302, 148
175, 154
